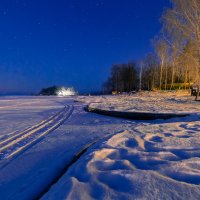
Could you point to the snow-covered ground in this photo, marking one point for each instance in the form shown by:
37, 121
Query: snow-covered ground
166, 102
18, 113
144, 161
158, 159
32, 157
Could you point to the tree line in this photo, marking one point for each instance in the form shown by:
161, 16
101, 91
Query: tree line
123, 78
175, 61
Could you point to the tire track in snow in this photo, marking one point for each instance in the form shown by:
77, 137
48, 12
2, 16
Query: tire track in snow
16, 144
11, 137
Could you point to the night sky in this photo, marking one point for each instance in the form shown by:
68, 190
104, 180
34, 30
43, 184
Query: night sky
72, 42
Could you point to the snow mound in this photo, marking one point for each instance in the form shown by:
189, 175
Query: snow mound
148, 161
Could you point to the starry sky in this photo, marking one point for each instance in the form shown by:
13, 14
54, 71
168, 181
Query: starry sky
72, 42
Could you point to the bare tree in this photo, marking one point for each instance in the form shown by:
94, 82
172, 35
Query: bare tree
183, 21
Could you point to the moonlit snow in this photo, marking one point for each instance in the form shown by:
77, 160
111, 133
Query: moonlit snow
130, 159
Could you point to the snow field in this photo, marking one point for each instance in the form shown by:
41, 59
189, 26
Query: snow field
31, 172
157, 159
147, 161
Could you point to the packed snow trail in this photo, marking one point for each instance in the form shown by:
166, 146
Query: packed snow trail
67, 165
15, 144
6, 139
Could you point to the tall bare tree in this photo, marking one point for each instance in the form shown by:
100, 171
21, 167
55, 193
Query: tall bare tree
183, 21
161, 48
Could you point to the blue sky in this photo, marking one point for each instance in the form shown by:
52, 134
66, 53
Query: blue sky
72, 42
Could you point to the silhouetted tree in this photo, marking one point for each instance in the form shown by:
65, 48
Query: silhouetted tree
122, 79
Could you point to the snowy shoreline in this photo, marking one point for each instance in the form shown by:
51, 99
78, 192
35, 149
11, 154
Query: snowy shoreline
139, 115
157, 102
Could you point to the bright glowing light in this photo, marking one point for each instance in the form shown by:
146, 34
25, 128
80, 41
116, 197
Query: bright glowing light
66, 92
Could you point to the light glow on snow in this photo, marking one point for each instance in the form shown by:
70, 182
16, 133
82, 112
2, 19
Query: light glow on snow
66, 92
